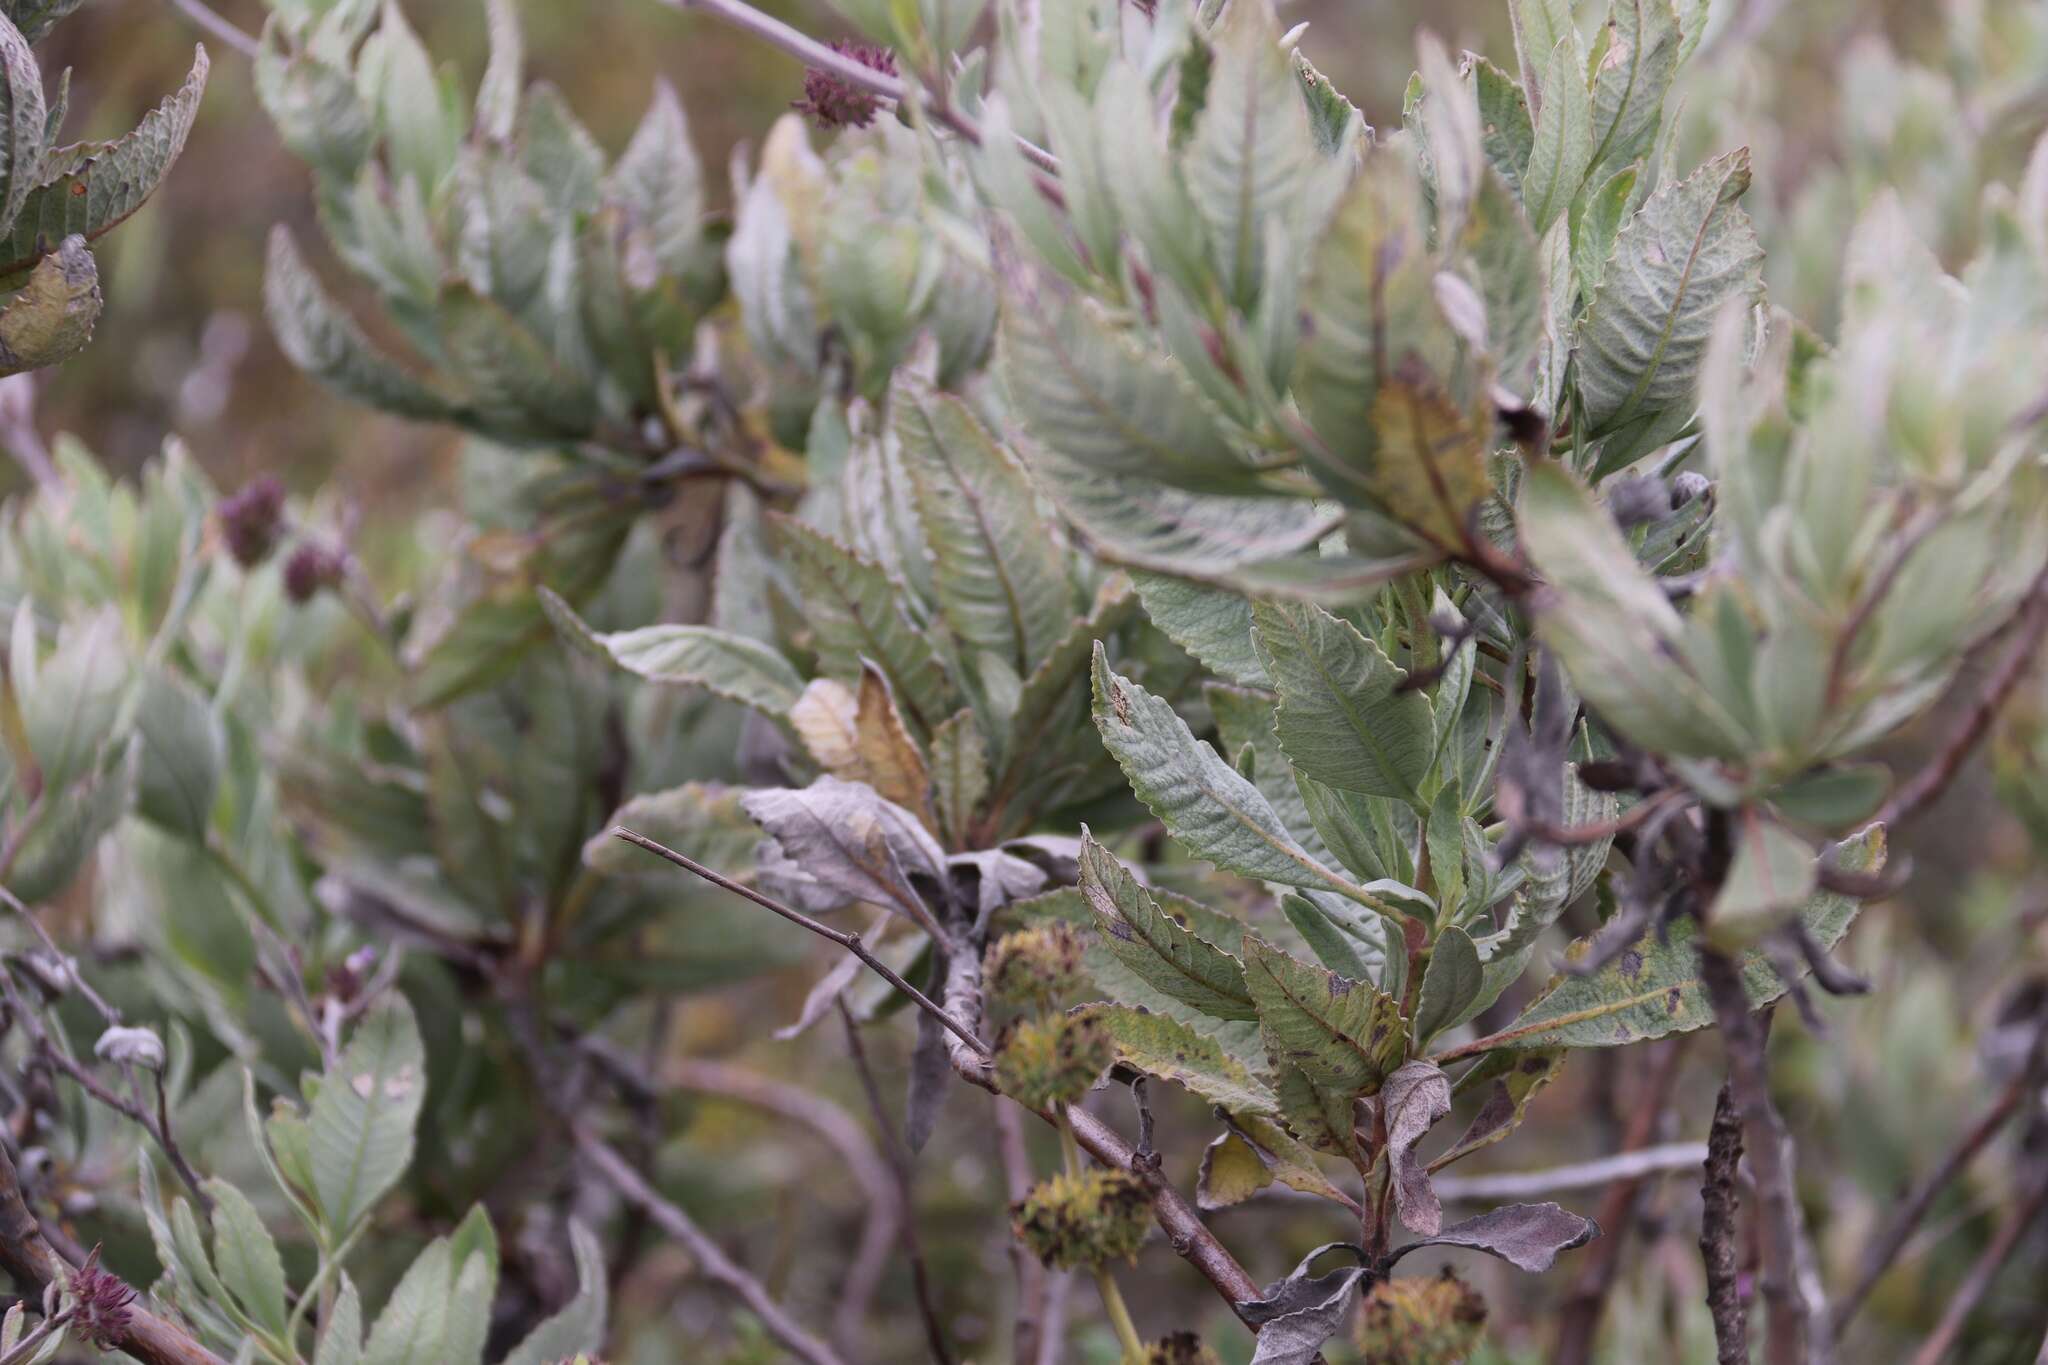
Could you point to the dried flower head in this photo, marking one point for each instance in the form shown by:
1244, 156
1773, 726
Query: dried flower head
1045, 1062
99, 1305
832, 101
1421, 1320
252, 520
312, 568
1083, 1220
1035, 966
1182, 1348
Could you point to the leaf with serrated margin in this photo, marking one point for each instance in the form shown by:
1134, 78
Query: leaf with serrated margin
360, 1129
1145, 181
52, 318
855, 611
660, 183
1341, 1034
1611, 625
247, 1258
1539, 26
1430, 472
1687, 251
1158, 945
1105, 399
1653, 989
1000, 579
1632, 75
1244, 720
960, 776
1202, 800
1212, 624
1506, 131
1172, 1051
326, 343
516, 387
22, 119
90, 187
1346, 938
1508, 1080
316, 108
887, 758
1344, 719
1321, 1117
735, 667
1252, 150
1561, 151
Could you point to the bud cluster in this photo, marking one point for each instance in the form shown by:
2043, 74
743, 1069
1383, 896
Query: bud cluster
1034, 966
1048, 1062
1084, 1220
1421, 1320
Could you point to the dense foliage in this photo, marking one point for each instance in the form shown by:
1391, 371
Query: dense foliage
1185, 590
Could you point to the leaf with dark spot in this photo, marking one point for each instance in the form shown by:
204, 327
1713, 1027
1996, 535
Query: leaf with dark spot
1526, 1236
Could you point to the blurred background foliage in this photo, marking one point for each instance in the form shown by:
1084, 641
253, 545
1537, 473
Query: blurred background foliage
1837, 99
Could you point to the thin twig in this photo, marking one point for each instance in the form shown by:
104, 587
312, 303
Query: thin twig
1795, 1303
1910, 1211
1513, 1186
1925, 786
26, 1256
899, 1163
219, 27
851, 942
1720, 1200
813, 53
1916, 531
26, 1349
1974, 1286
1570, 836
712, 1262
845, 1137
1030, 1328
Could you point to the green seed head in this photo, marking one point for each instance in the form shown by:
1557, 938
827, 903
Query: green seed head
1035, 966
1084, 1220
1046, 1062
1421, 1320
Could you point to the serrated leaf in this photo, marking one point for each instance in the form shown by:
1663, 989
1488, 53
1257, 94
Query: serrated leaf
1633, 76
1162, 1047
580, 1325
89, 188
1430, 470
326, 343
1340, 1034
341, 1335
1343, 719
1653, 988
1212, 624
660, 183
855, 612
361, 1124
515, 387
1202, 800
1688, 250
52, 318
1539, 26
1252, 150
1561, 150
1158, 945
22, 118
414, 1321
316, 110
247, 1258
734, 667
1346, 938
1000, 580
960, 774
886, 757
1451, 986
1509, 1080
1506, 130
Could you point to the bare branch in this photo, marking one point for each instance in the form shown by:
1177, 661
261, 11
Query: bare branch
712, 1262
1719, 1201
218, 26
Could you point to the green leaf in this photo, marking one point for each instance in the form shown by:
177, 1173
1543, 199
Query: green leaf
316, 110
1562, 149
1773, 870
1344, 719
1341, 1034
341, 1335
660, 183
1252, 150
855, 611
497, 95
414, 1324
35, 17
326, 343
1346, 938
1162, 1047
560, 152
22, 118
1686, 252
1834, 797
1507, 133
1430, 470
1202, 800
69, 708
1000, 580
183, 750
515, 387
397, 76
1540, 26
1451, 986
1632, 76
731, 666
960, 775
1102, 397
1156, 944
1508, 1080
247, 1258
700, 819
91, 187
1213, 624
1653, 989
581, 1323
52, 318
362, 1120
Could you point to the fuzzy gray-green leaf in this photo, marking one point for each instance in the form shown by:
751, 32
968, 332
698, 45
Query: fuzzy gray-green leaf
1160, 947
1344, 719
